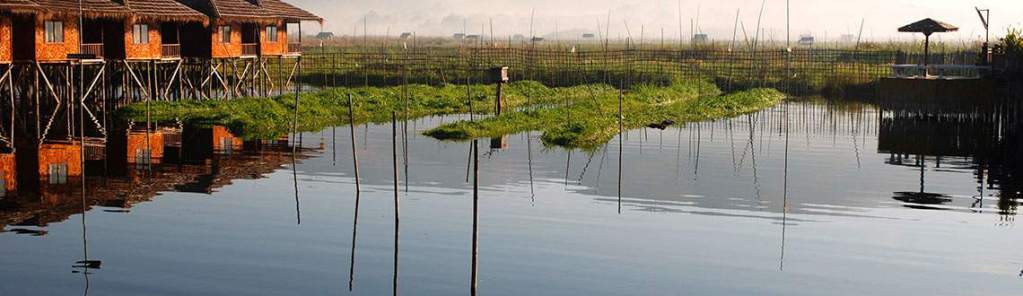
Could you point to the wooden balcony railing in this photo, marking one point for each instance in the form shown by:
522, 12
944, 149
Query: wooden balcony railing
294, 48
171, 50
250, 49
95, 49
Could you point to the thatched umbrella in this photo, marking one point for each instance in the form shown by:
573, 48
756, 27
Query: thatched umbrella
928, 26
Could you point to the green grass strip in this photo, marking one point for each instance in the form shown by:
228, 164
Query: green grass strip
587, 124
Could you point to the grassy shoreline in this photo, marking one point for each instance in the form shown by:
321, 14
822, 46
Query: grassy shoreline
578, 116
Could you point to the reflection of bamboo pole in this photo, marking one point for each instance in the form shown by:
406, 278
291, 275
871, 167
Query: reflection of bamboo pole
149, 147
475, 216
397, 221
785, 192
358, 191
81, 147
568, 165
355, 155
600, 167
621, 144
333, 146
699, 142
294, 146
529, 157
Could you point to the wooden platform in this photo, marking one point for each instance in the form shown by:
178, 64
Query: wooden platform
948, 91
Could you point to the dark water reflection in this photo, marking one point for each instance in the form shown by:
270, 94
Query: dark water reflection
807, 198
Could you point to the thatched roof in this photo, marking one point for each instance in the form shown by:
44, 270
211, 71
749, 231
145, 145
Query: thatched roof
165, 10
928, 26
159, 10
19, 6
261, 11
230, 10
90, 8
288, 11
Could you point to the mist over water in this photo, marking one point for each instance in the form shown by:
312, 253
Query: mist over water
828, 19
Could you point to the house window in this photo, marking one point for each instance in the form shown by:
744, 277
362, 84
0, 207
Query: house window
225, 34
54, 32
58, 173
271, 34
140, 34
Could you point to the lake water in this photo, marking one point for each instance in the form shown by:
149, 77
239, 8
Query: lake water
807, 198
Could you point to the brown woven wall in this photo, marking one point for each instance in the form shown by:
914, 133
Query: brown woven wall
227, 50
274, 48
56, 51
6, 50
152, 50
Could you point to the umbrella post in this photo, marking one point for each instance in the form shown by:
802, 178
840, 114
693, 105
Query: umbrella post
927, 27
927, 52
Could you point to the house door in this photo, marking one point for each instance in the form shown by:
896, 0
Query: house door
23, 37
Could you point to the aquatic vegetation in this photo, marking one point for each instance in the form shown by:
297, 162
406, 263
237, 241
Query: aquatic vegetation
591, 122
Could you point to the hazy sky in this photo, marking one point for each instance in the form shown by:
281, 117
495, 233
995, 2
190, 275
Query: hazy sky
716, 17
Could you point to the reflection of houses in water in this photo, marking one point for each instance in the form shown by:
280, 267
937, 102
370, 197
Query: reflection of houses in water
202, 144
145, 147
983, 139
224, 142
59, 160
8, 172
499, 143
179, 171
132, 148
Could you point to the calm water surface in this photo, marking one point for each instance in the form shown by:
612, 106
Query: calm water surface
808, 198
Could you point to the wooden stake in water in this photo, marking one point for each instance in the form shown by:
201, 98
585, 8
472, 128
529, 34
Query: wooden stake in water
468, 100
404, 124
735, 31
